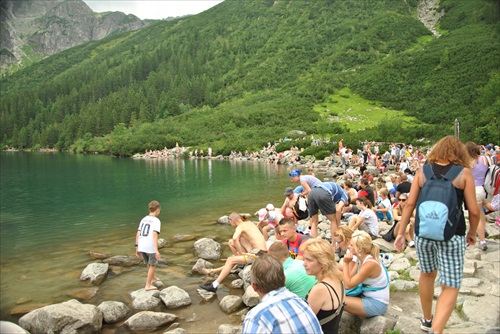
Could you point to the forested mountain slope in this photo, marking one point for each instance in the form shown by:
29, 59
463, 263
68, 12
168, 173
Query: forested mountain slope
247, 72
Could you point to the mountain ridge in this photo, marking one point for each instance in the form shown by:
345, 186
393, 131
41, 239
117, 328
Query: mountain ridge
245, 73
33, 30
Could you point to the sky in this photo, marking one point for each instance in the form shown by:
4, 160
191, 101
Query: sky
157, 9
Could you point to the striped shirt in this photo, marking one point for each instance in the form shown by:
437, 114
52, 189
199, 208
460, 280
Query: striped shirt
281, 311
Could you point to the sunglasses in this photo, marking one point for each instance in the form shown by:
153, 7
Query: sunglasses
402, 199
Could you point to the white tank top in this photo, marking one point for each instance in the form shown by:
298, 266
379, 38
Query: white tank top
381, 280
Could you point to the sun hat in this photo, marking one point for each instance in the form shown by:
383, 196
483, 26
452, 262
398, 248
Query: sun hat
269, 207
295, 172
288, 191
262, 213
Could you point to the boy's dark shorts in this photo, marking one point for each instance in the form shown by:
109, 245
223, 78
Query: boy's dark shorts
149, 258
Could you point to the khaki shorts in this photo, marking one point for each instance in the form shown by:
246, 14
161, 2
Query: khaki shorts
249, 258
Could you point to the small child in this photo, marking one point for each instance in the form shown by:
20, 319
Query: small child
146, 242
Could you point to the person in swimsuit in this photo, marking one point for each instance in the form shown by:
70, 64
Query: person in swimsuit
327, 296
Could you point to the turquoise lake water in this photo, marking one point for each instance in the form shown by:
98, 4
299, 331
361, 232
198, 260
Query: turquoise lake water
56, 207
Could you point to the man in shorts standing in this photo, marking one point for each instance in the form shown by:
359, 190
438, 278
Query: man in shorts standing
146, 242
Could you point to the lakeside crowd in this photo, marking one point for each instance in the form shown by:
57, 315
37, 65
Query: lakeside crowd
302, 286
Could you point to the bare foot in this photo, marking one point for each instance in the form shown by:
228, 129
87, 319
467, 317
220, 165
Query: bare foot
154, 280
151, 288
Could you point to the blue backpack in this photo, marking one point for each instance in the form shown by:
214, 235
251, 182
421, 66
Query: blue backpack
438, 212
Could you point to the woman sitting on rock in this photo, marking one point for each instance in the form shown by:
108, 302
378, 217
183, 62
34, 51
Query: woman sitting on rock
369, 272
327, 296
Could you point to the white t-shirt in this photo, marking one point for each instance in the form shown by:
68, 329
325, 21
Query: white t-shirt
147, 226
371, 220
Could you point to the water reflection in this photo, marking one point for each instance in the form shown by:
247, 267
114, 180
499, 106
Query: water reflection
56, 208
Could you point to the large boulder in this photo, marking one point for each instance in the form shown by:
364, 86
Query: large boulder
250, 298
145, 299
113, 311
208, 249
149, 321
230, 304
95, 273
175, 297
68, 317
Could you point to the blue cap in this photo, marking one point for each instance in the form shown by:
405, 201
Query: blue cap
295, 172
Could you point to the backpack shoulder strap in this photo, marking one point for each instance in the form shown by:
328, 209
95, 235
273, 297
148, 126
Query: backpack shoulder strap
454, 172
427, 173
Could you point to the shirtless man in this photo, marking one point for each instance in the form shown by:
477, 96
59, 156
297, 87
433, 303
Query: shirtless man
245, 236
290, 198
246, 233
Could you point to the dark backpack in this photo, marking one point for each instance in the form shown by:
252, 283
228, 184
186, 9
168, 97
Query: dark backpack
297, 212
438, 212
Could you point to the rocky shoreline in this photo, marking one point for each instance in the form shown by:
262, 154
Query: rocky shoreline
477, 309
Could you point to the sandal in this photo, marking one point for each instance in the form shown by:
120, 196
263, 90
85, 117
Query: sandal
208, 271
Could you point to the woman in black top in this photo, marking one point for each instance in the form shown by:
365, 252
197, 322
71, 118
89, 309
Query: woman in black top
326, 298
445, 256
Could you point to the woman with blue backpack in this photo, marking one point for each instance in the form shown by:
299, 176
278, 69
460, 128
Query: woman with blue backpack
438, 191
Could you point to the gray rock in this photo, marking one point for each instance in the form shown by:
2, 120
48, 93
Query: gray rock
99, 255
237, 283
250, 298
122, 260
176, 331
208, 249
95, 273
206, 295
145, 300
228, 329
149, 321
175, 297
385, 247
401, 285
415, 274
162, 243
407, 325
68, 317
469, 268
471, 282
223, 220
400, 264
377, 325
113, 311
230, 304
200, 265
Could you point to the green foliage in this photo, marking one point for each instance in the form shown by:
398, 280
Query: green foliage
248, 72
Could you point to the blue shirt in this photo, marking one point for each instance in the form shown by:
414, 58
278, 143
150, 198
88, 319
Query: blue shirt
281, 311
336, 191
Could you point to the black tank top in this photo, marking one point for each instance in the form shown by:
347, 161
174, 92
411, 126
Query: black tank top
333, 325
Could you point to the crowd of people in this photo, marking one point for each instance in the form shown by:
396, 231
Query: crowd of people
304, 288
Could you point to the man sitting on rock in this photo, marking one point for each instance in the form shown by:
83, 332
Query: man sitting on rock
291, 238
297, 280
250, 233
279, 310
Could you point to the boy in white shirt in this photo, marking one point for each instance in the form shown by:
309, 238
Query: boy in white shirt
146, 242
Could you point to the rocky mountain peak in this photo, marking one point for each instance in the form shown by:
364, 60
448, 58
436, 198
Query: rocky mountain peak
32, 30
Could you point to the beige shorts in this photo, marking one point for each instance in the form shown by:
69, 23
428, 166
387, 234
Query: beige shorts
249, 258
